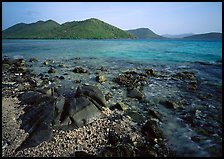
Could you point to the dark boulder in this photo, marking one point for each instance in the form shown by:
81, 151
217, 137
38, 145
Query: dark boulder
92, 92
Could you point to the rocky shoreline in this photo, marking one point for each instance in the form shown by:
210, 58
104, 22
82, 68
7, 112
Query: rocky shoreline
110, 116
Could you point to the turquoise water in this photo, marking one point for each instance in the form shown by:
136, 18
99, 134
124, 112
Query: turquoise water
156, 51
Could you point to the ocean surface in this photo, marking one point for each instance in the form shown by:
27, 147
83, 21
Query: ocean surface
195, 130
149, 51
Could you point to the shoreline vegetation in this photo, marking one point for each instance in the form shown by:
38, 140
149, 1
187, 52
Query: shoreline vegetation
105, 112
89, 29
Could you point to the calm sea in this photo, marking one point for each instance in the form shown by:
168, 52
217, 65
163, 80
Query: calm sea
153, 51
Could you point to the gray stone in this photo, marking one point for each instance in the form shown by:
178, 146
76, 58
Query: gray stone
134, 93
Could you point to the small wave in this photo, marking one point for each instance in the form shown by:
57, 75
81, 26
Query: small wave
18, 57
217, 62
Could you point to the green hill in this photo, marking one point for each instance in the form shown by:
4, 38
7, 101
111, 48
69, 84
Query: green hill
87, 29
144, 33
207, 36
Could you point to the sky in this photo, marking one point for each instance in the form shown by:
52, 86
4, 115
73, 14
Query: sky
160, 17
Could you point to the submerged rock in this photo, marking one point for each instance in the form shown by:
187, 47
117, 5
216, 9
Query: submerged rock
170, 104
151, 130
51, 70
33, 60
131, 79
80, 70
101, 78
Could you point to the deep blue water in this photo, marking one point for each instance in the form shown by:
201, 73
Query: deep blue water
156, 51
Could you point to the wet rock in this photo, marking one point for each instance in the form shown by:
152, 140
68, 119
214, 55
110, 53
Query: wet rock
134, 93
150, 72
108, 96
118, 151
131, 79
146, 151
80, 70
19, 62
21, 69
61, 77
81, 154
136, 116
151, 130
6, 61
33, 60
113, 138
46, 63
195, 139
51, 70
101, 78
154, 114
185, 76
5, 66
120, 106
62, 65
170, 104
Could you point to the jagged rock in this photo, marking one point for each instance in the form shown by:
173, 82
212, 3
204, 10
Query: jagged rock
119, 106
131, 79
151, 130
134, 93
80, 70
37, 122
93, 93
46, 112
154, 114
33, 60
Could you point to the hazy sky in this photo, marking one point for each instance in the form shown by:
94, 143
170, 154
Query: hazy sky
160, 17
